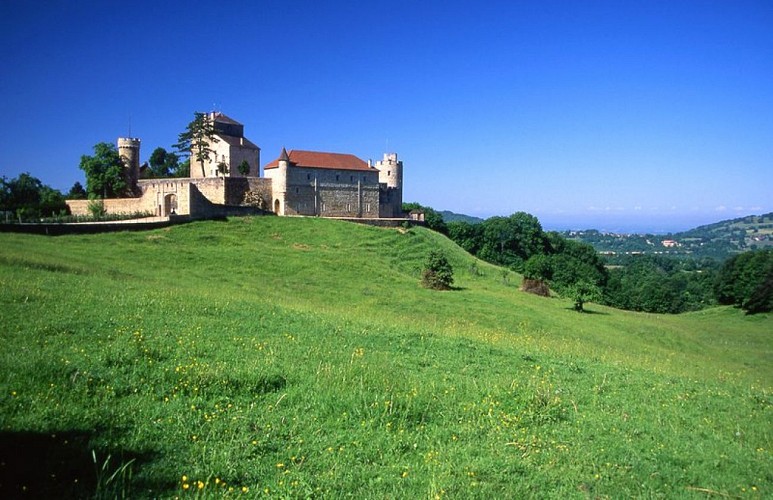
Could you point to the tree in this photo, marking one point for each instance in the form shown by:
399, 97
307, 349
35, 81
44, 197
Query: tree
183, 169
438, 273
222, 168
745, 281
466, 235
162, 164
197, 140
26, 197
105, 176
538, 267
244, 168
51, 202
582, 292
77, 192
510, 241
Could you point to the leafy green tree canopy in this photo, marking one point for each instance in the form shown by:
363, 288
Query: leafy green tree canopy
26, 197
510, 241
105, 176
466, 235
746, 281
162, 164
582, 292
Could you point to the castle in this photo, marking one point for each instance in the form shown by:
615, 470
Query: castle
300, 182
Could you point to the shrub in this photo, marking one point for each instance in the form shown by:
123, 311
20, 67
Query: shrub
537, 287
438, 273
96, 208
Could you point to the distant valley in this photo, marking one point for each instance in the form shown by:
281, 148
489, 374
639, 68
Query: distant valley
719, 240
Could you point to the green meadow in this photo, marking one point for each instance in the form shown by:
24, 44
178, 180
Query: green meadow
300, 358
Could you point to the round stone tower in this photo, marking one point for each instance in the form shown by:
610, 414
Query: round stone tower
280, 183
390, 172
129, 151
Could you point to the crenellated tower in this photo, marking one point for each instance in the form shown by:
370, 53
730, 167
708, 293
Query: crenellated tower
390, 175
129, 151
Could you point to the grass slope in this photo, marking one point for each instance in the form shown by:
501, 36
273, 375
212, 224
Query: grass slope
300, 358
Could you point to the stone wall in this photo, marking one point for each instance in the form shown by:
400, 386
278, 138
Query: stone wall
162, 197
390, 202
332, 192
213, 188
195, 197
238, 187
112, 206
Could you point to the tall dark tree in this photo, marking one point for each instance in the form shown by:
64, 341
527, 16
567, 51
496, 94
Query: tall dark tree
745, 281
77, 192
26, 197
105, 176
197, 140
162, 164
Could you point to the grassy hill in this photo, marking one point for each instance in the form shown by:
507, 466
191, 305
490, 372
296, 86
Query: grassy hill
300, 358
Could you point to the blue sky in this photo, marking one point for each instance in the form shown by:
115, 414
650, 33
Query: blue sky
614, 115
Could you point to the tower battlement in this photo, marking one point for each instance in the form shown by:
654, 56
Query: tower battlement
129, 151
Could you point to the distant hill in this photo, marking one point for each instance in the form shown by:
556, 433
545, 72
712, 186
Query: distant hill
719, 240
451, 217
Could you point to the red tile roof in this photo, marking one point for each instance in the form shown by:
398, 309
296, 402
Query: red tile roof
316, 159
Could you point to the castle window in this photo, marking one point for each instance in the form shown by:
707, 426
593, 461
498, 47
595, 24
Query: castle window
389, 172
308, 177
297, 190
351, 178
337, 177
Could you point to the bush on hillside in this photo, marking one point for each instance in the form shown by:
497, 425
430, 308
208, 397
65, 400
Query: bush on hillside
537, 287
438, 273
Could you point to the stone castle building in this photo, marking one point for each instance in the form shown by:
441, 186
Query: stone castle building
335, 185
230, 148
300, 182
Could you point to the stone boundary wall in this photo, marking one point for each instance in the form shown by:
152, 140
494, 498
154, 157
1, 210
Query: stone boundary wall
112, 206
53, 229
237, 187
380, 222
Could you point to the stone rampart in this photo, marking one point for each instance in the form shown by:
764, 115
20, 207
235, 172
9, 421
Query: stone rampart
111, 206
52, 229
